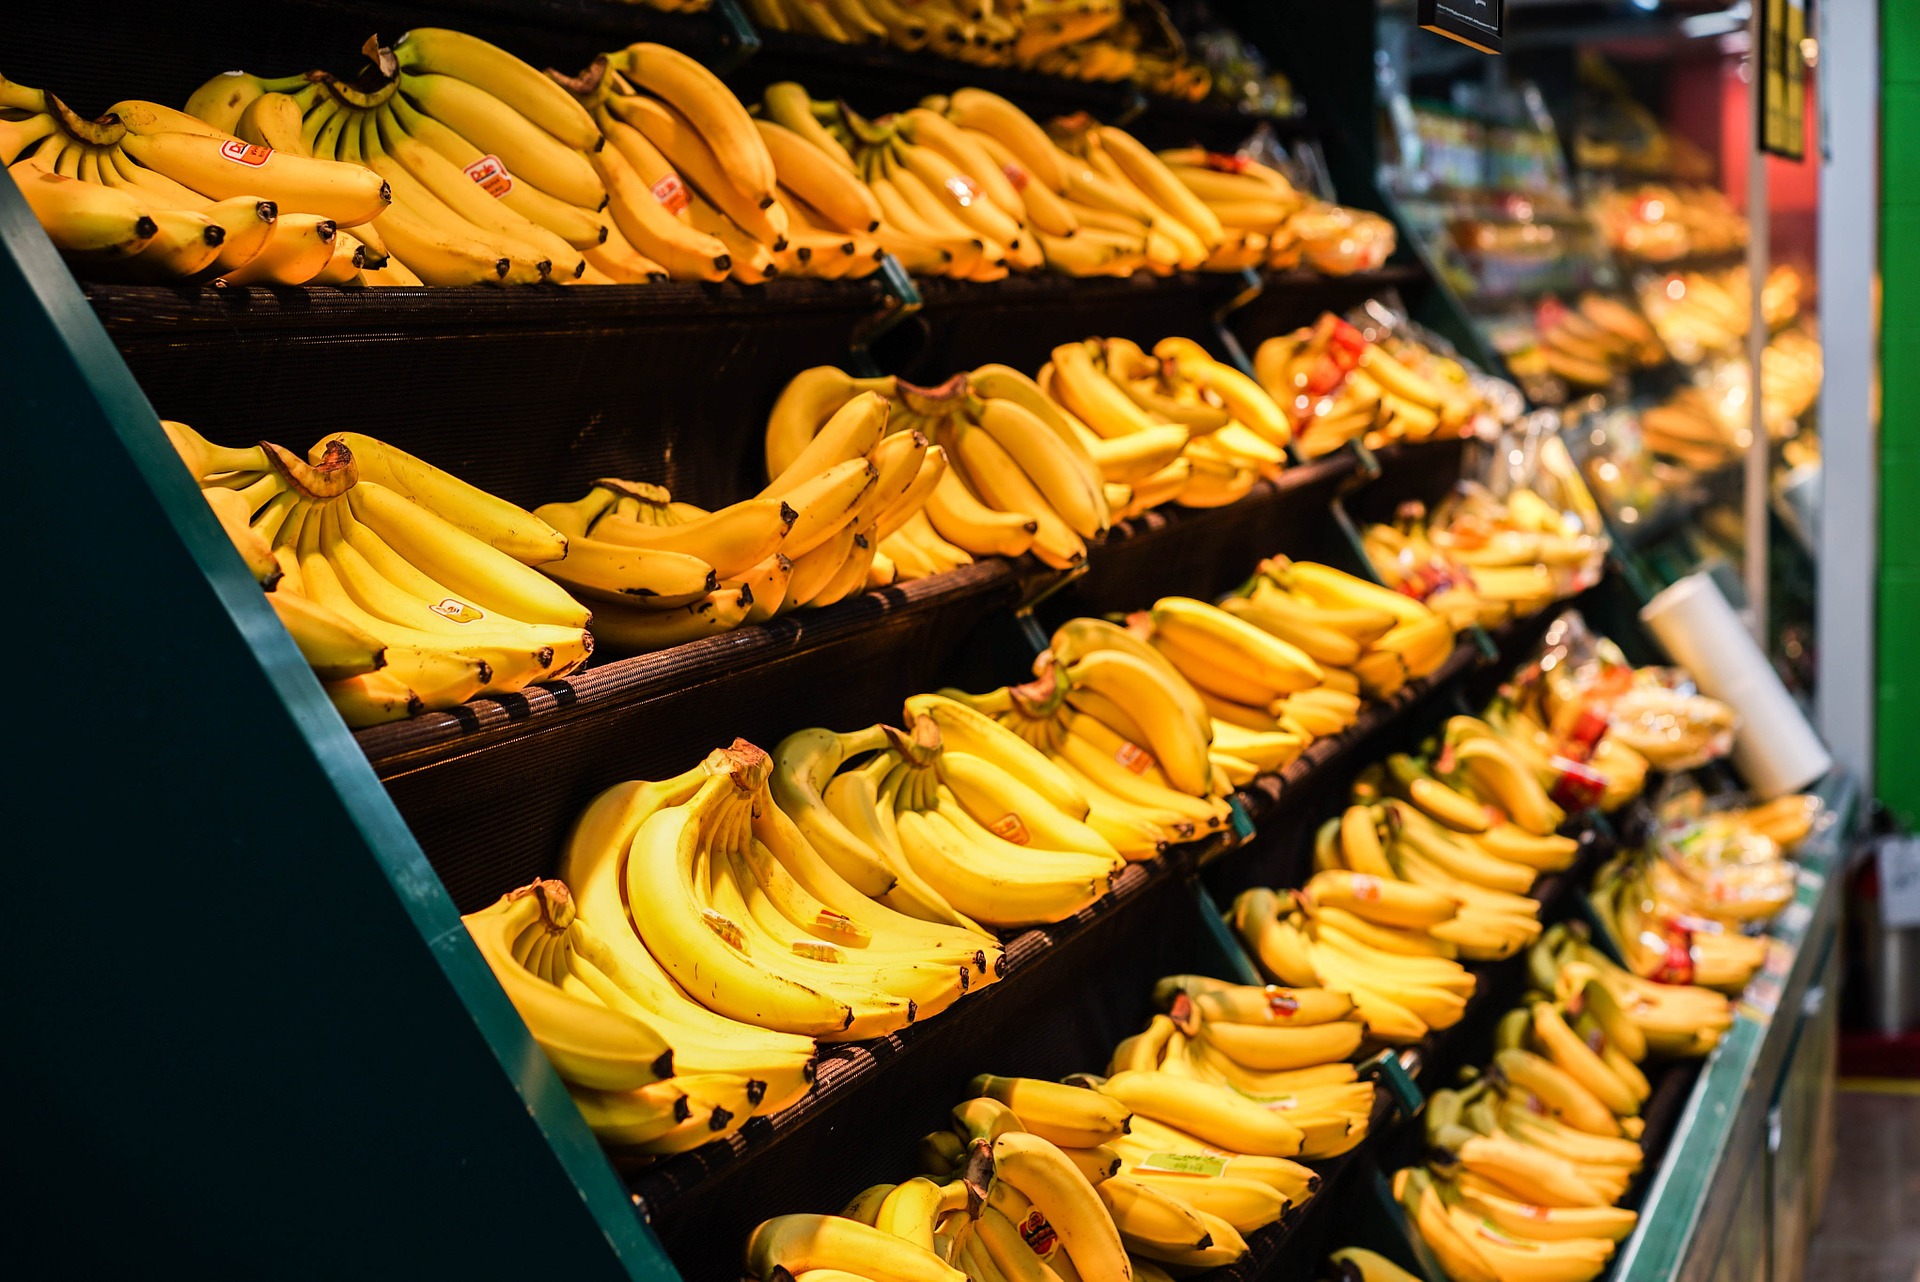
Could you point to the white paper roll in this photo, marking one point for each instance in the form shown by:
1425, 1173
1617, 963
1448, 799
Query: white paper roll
1775, 749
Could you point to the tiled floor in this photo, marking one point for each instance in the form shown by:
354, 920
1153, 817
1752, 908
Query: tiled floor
1870, 1231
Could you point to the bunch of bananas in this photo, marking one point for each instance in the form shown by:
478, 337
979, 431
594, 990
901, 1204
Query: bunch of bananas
1706, 425
1485, 560
1368, 936
148, 194
1337, 386
983, 824
1276, 223
405, 588
485, 157
1173, 425
1013, 1190
1121, 723
1090, 40
1658, 222
1676, 1019
662, 573
1676, 929
1363, 638
1530, 1161
1015, 440
652, 1072
1584, 347
1287, 1049
1699, 314
699, 190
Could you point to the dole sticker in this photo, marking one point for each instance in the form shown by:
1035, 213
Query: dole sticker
671, 193
1011, 827
1015, 175
964, 192
1366, 888
458, 611
490, 176
1281, 1004
1134, 757
246, 153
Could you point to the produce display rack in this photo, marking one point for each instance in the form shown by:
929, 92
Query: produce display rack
361, 1056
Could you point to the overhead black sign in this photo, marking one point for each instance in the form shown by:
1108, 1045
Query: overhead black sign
1471, 22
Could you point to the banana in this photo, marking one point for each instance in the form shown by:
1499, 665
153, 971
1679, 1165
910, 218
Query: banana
1146, 1216
1178, 743
1234, 644
332, 646
1496, 774
1458, 1256
797, 1244
987, 886
1003, 803
221, 170
1046, 1178
845, 201
963, 730
967, 522
1386, 902
1067, 1116
1357, 1264
85, 219
1580, 1061
1091, 396
1213, 1113
582, 228
1068, 481
1549, 1224
1562, 1095
507, 528
732, 540
1270, 1049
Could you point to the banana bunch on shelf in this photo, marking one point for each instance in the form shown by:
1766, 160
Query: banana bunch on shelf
1127, 730
1591, 705
652, 1073
1364, 639
405, 588
1511, 1193
1171, 425
1485, 560
1000, 469
1585, 347
147, 194
1676, 1019
1180, 1168
1368, 936
1274, 223
1336, 386
1700, 314
1669, 929
1659, 222
700, 190
1530, 1161
1017, 1188
979, 822
1092, 40
775, 915
662, 572
488, 160
1287, 1049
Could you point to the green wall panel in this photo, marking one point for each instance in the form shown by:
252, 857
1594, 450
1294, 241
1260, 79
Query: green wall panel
1897, 729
